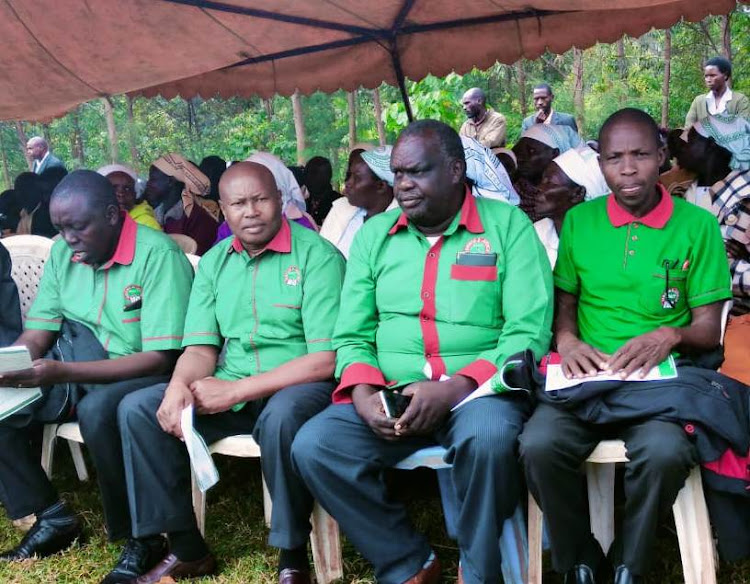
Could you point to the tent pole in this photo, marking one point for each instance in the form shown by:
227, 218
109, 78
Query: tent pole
401, 80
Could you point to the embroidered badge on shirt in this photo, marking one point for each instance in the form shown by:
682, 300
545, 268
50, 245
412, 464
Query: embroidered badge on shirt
478, 245
292, 276
133, 293
669, 298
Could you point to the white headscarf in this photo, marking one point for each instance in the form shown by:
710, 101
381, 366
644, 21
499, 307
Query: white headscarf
581, 165
291, 194
561, 137
112, 168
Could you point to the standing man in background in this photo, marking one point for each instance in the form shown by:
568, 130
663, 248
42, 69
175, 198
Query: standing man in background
485, 126
543, 98
38, 150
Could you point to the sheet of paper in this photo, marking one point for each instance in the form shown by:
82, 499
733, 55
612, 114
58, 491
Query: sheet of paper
556, 380
495, 385
204, 469
13, 399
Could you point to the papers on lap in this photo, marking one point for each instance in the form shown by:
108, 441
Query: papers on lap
667, 369
13, 399
204, 469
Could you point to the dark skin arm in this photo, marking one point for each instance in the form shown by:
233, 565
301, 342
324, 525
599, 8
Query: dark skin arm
431, 403
48, 372
579, 359
367, 404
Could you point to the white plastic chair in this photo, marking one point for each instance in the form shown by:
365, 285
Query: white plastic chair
28, 254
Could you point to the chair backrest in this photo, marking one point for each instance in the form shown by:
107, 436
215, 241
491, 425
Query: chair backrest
186, 243
28, 254
193, 259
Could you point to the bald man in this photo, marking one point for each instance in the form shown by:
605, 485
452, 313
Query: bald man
107, 320
269, 296
38, 151
485, 125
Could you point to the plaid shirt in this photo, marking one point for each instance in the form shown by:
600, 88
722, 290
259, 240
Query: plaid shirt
731, 205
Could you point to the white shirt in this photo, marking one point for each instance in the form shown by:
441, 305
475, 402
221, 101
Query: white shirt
718, 108
38, 163
545, 230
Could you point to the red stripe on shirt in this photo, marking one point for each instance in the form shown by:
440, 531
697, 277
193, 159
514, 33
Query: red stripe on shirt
164, 338
429, 310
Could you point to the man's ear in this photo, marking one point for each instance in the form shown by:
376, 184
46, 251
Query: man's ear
662, 151
457, 170
112, 214
557, 152
579, 195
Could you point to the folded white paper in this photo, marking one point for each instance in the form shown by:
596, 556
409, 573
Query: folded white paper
13, 399
204, 469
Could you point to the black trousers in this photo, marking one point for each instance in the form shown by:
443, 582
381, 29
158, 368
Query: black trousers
157, 466
555, 443
24, 486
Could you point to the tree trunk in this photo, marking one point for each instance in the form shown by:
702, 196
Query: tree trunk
6, 168
268, 106
299, 126
351, 106
622, 66
45, 135
667, 74
378, 116
132, 138
522, 87
22, 139
76, 146
578, 88
725, 22
109, 115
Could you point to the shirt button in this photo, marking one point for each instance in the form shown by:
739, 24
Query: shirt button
429, 355
631, 252
635, 225
634, 238
426, 295
431, 254
425, 317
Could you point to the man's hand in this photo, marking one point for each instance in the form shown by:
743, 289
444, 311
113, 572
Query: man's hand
431, 403
736, 251
580, 359
644, 352
43, 372
176, 398
213, 395
369, 407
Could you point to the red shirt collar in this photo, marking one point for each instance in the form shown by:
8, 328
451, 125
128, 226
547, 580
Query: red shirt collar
656, 218
125, 250
469, 216
281, 242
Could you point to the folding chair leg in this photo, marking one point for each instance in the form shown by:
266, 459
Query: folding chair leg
535, 542
48, 447
600, 478
326, 547
199, 504
694, 532
267, 503
80, 464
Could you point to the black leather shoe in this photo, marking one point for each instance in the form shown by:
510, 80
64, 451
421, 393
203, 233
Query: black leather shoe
625, 576
46, 537
137, 558
580, 574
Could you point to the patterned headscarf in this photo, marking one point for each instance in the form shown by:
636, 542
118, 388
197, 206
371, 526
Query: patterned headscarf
581, 165
731, 133
197, 185
488, 175
561, 137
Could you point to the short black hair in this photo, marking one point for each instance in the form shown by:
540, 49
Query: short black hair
450, 142
634, 116
722, 64
545, 86
94, 188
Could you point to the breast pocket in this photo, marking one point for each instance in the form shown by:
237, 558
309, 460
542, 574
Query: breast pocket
475, 295
662, 297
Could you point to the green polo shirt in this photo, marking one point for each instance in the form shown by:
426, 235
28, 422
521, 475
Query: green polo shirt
407, 303
135, 302
617, 265
269, 309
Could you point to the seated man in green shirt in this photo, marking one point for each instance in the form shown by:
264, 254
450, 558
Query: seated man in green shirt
437, 296
269, 296
639, 275
113, 294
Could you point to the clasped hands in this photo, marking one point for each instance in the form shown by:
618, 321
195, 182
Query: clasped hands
208, 395
640, 354
431, 402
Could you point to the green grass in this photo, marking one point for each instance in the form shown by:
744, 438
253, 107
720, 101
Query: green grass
236, 533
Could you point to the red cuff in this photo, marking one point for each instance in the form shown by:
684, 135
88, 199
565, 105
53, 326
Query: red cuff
353, 375
480, 371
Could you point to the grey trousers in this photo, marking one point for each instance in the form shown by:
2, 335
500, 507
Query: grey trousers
343, 462
157, 467
554, 445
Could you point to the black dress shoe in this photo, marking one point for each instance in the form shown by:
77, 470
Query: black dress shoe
137, 557
172, 566
580, 574
624, 576
46, 537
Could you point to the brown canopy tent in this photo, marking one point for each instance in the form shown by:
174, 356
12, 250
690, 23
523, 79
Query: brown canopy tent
55, 54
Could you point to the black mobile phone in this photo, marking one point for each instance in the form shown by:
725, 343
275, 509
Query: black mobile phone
394, 402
